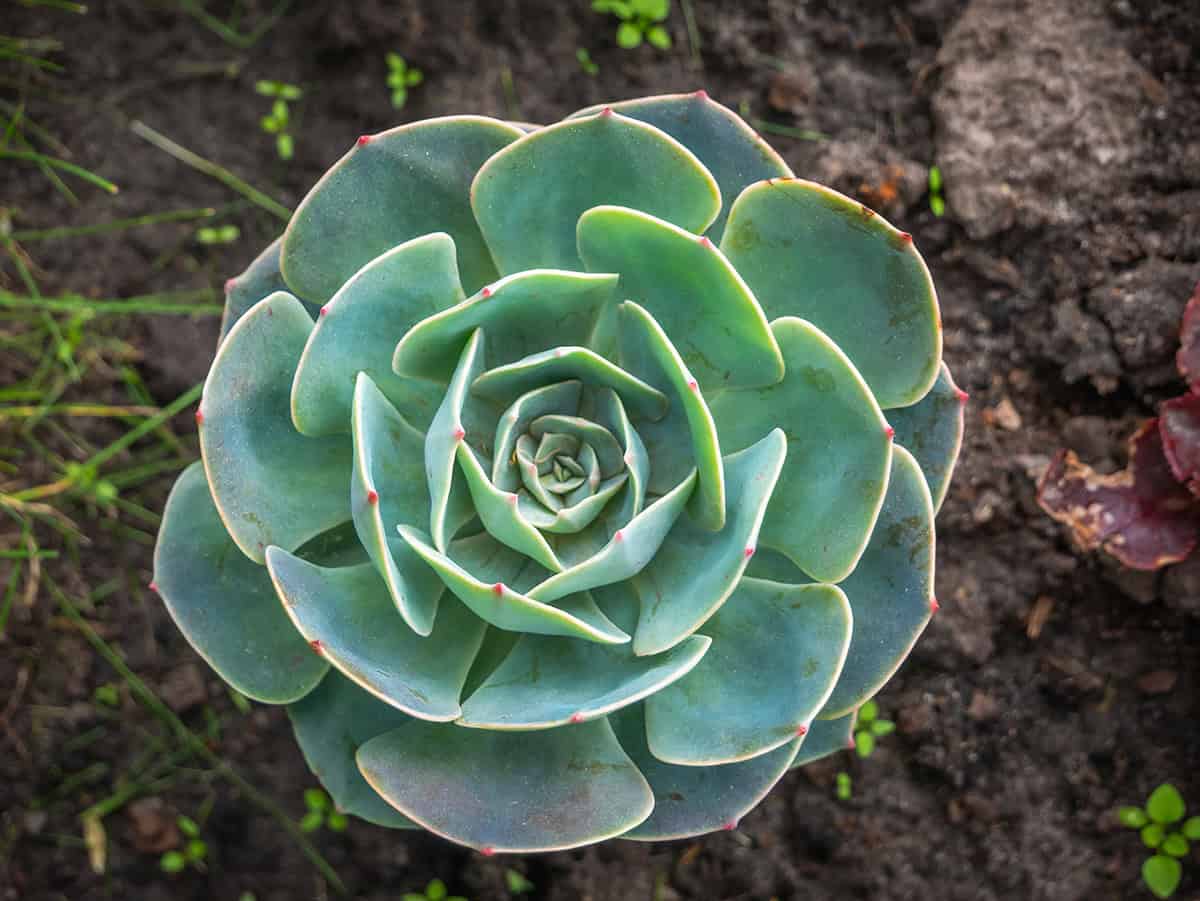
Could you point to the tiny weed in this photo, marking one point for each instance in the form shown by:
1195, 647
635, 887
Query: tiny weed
585, 61
401, 76
937, 203
435, 891
194, 851
321, 812
107, 695
844, 787
870, 727
517, 883
1156, 822
641, 20
278, 121
214, 235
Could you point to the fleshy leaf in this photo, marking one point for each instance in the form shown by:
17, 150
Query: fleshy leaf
693, 800
388, 189
224, 604
733, 152
654, 356
346, 615
520, 315
500, 514
695, 570
1165, 805
445, 434
260, 279
932, 430
1179, 428
1162, 875
808, 251
839, 450
358, 329
582, 163
504, 383
825, 737
627, 552
507, 608
271, 484
560, 397
520, 792
1141, 515
890, 590
690, 289
792, 638
611, 413
576, 517
330, 723
547, 682
1187, 358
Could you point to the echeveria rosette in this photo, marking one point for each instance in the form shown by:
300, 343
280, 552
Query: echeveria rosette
552, 478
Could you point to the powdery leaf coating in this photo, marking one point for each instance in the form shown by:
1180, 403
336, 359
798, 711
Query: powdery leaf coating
550, 519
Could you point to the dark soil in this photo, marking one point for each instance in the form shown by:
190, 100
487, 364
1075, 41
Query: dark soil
1068, 133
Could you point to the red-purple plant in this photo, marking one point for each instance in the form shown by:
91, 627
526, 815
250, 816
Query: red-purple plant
1148, 514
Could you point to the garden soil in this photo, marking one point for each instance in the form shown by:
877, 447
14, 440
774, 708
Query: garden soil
1050, 688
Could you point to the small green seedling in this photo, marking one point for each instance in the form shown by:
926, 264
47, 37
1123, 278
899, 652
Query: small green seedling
870, 727
843, 787
435, 891
194, 850
107, 695
321, 812
517, 882
937, 203
586, 63
279, 120
641, 20
401, 76
1156, 822
221, 234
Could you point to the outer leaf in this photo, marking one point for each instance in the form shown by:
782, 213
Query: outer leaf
932, 431
388, 487
792, 638
346, 615
890, 590
693, 800
520, 315
445, 434
825, 737
505, 383
695, 570
627, 552
808, 251
260, 279
358, 329
690, 289
735, 154
582, 163
271, 484
330, 724
1165, 805
654, 355
520, 792
391, 188
839, 450
224, 604
1141, 515
506, 608
1162, 875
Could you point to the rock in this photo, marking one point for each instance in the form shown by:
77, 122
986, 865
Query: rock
1004, 415
1036, 101
1157, 682
154, 829
983, 707
183, 688
872, 172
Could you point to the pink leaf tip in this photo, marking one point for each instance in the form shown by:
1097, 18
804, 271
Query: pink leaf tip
498, 589
199, 418
316, 645
701, 94
704, 241
576, 717
153, 586
372, 496
748, 552
363, 140
487, 850
325, 310
962, 396
851, 743
934, 606
486, 292
607, 111
890, 432
692, 385
802, 730
460, 433
230, 284
730, 825
618, 535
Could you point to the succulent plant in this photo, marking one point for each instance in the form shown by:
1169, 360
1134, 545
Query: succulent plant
1147, 515
548, 476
